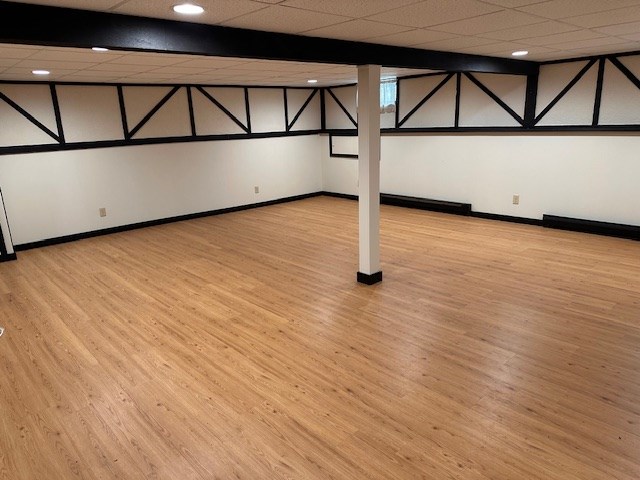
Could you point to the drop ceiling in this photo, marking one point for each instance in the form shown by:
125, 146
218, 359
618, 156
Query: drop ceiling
549, 30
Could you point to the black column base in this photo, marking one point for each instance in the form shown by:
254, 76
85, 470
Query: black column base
369, 279
8, 257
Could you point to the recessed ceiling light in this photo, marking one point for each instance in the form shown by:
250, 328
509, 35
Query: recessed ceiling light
99, 49
520, 53
188, 9
312, 81
40, 72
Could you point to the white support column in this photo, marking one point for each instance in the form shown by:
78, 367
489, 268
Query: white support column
369, 173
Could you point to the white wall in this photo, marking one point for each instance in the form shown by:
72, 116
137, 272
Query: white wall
54, 194
582, 176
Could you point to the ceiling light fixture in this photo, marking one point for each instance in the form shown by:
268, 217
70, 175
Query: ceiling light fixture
188, 9
99, 49
520, 53
40, 72
312, 81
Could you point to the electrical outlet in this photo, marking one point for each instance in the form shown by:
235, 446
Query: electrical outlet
103, 212
256, 189
516, 199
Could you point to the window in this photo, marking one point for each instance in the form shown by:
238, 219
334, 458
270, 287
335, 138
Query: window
388, 95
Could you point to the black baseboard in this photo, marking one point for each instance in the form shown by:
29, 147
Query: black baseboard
152, 223
507, 218
340, 195
430, 204
8, 257
631, 232
369, 279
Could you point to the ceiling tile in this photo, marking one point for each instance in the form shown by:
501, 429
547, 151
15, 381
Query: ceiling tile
8, 62
622, 15
562, 38
434, 12
357, 30
595, 42
10, 51
80, 4
216, 11
537, 30
176, 70
489, 23
114, 67
412, 37
504, 50
350, 8
456, 43
53, 65
211, 62
634, 37
288, 20
555, 9
148, 59
511, 3
620, 29
75, 55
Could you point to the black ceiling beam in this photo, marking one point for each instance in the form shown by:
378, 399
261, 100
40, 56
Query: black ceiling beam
62, 27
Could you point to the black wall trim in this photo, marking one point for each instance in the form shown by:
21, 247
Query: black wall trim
148, 141
565, 90
443, 206
153, 111
3, 246
304, 105
598, 100
507, 218
64, 27
346, 196
162, 221
343, 108
427, 97
628, 73
56, 110
224, 109
339, 155
29, 117
192, 118
458, 91
495, 98
592, 226
369, 279
6, 217
123, 112
531, 99
8, 258
248, 109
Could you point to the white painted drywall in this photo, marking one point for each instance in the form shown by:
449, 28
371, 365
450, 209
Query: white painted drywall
55, 194
582, 176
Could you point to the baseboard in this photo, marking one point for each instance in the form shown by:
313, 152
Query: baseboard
153, 223
340, 195
369, 279
507, 218
631, 232
431, 205
8, 257
442, 206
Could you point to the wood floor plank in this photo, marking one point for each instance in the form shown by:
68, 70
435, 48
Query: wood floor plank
240, 346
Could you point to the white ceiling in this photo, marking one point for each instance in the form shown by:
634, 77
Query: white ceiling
552, 29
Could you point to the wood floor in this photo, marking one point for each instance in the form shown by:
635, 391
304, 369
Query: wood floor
241, 347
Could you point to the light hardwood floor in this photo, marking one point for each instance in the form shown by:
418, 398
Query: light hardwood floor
240, 346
